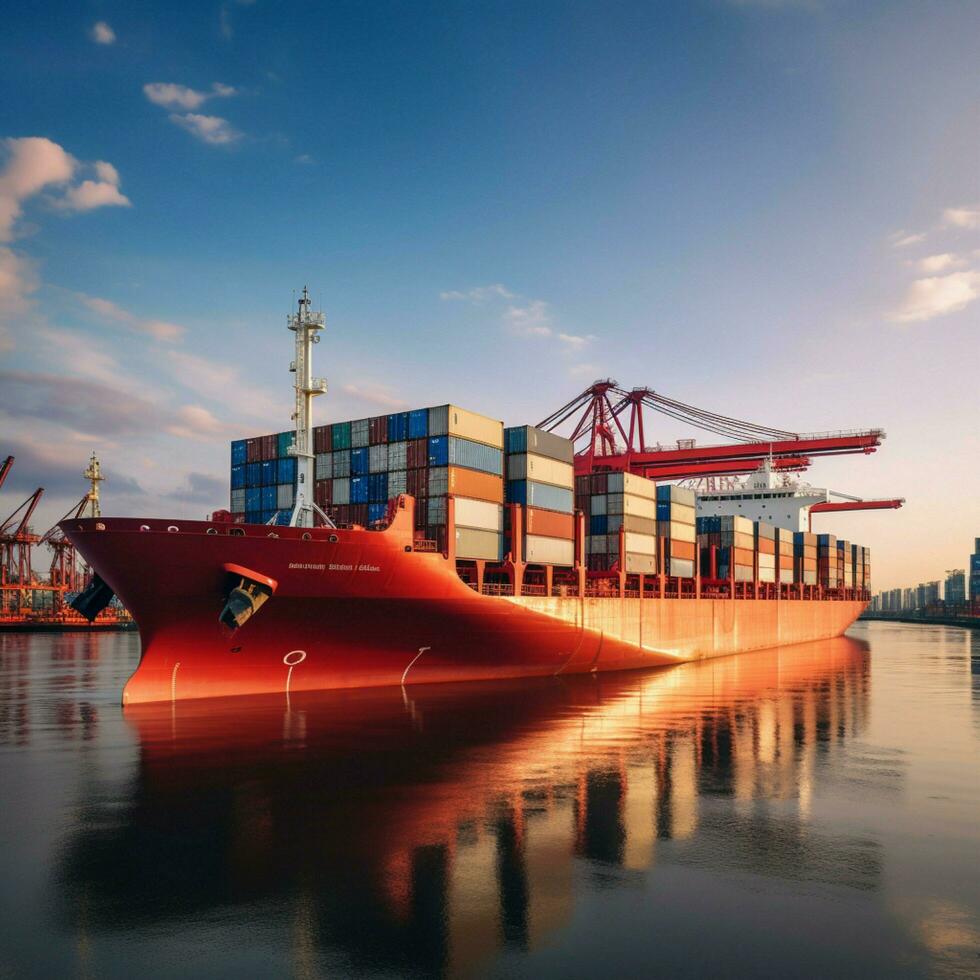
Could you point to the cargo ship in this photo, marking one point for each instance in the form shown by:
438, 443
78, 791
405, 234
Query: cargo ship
437, 546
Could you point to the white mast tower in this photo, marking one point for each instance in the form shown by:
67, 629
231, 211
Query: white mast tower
306, 324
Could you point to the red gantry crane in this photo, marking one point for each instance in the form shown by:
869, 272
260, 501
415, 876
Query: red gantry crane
609, 430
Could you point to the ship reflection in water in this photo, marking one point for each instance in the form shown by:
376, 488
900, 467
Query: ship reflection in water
714, 817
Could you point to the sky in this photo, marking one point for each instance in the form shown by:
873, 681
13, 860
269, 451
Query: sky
767, 208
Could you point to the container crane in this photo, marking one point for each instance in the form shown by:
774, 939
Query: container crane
609, 426
16, 543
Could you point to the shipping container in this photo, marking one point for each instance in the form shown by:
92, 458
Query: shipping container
598, 524
359, 462
377, 488
456, 451
629, 483
283, 441
268, 498
397, 483
480, 514
323, 466
270, 445
676, 531
641, 544
599, 504
678, 513
474, 543
636, 564
340, 490
548, 523
465, 483
378, 430
253, 450
378, 458
542, 550
287, 470
541, 469
417, 453
359, 490
397, 455
285, 495
451, 420
628, 503
398, 427
642, 525
360, 433
322, 443
679, 567
377, 512
253, 499
528, 439
238, 476
340, 436
322, 493
418, 423
340, 463
673, 494
270, 472
532, 494
239, 452
238, 500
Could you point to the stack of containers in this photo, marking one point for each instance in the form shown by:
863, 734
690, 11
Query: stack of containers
465, 456
857, 564
828, 574
805, 557
867, 568
734, 539
263, 477
539, 475
785, 573
677, 526
845, 564
628, 501
765, 546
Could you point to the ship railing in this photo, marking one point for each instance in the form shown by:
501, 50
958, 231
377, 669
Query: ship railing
532, 590
425, 544
496, 588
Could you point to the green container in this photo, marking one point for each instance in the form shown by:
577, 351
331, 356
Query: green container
340, 435
285, 440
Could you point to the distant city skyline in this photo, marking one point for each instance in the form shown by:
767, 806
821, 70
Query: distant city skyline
768, 208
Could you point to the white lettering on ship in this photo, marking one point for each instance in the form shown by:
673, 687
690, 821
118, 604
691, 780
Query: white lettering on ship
333, 567
306, 564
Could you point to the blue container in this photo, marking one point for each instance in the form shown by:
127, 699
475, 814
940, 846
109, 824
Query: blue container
269, 499
239, 452
598, 523
515, 439
543, 495
359, 465
253, 500
378, 488
398, 427
253, 517
270, 472
238, 477
287, 470
358, 489
283, 517
438, 451
253, 474
377, 512
418, 423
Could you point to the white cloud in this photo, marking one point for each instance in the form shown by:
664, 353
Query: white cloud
902, 239
530, 320
221, 382
196, 422
102, 33
575, 341
374, 394
170, 95
33, 163
18, 280
208, 129
581, 370
962, 217
937, 296
92, 194
479, 294
157, 329
933, 264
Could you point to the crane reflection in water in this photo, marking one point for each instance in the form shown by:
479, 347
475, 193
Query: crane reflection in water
430, 828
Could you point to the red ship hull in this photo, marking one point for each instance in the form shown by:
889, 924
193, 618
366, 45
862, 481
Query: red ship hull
357, 608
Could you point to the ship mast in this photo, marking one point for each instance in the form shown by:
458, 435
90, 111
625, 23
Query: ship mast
305, 324
94, 475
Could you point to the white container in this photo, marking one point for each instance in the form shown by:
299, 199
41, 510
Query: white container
378, 458
397, 455
598, 504
341, 491
677, 532
237, 501
541, 469
596, 544
641, 544
639, 486
323, 468
641, 564
360, 433
548, 551
474, 543
397, 483
340, 465
480, 514
284, 496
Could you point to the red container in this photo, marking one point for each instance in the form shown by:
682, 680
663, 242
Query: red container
270, 446
421, 511
322, 439
378, 430
340, 513
322, 493
417, 453
417, 482
600, 483
253, 450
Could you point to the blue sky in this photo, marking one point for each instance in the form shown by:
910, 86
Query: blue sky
766, 208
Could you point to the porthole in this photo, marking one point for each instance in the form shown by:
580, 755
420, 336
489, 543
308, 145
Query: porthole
333, 539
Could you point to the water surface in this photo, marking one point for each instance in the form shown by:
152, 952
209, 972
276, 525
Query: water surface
803, 812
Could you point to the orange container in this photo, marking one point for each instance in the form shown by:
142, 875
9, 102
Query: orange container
470, 483
681, 549
767, 546
548, 523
